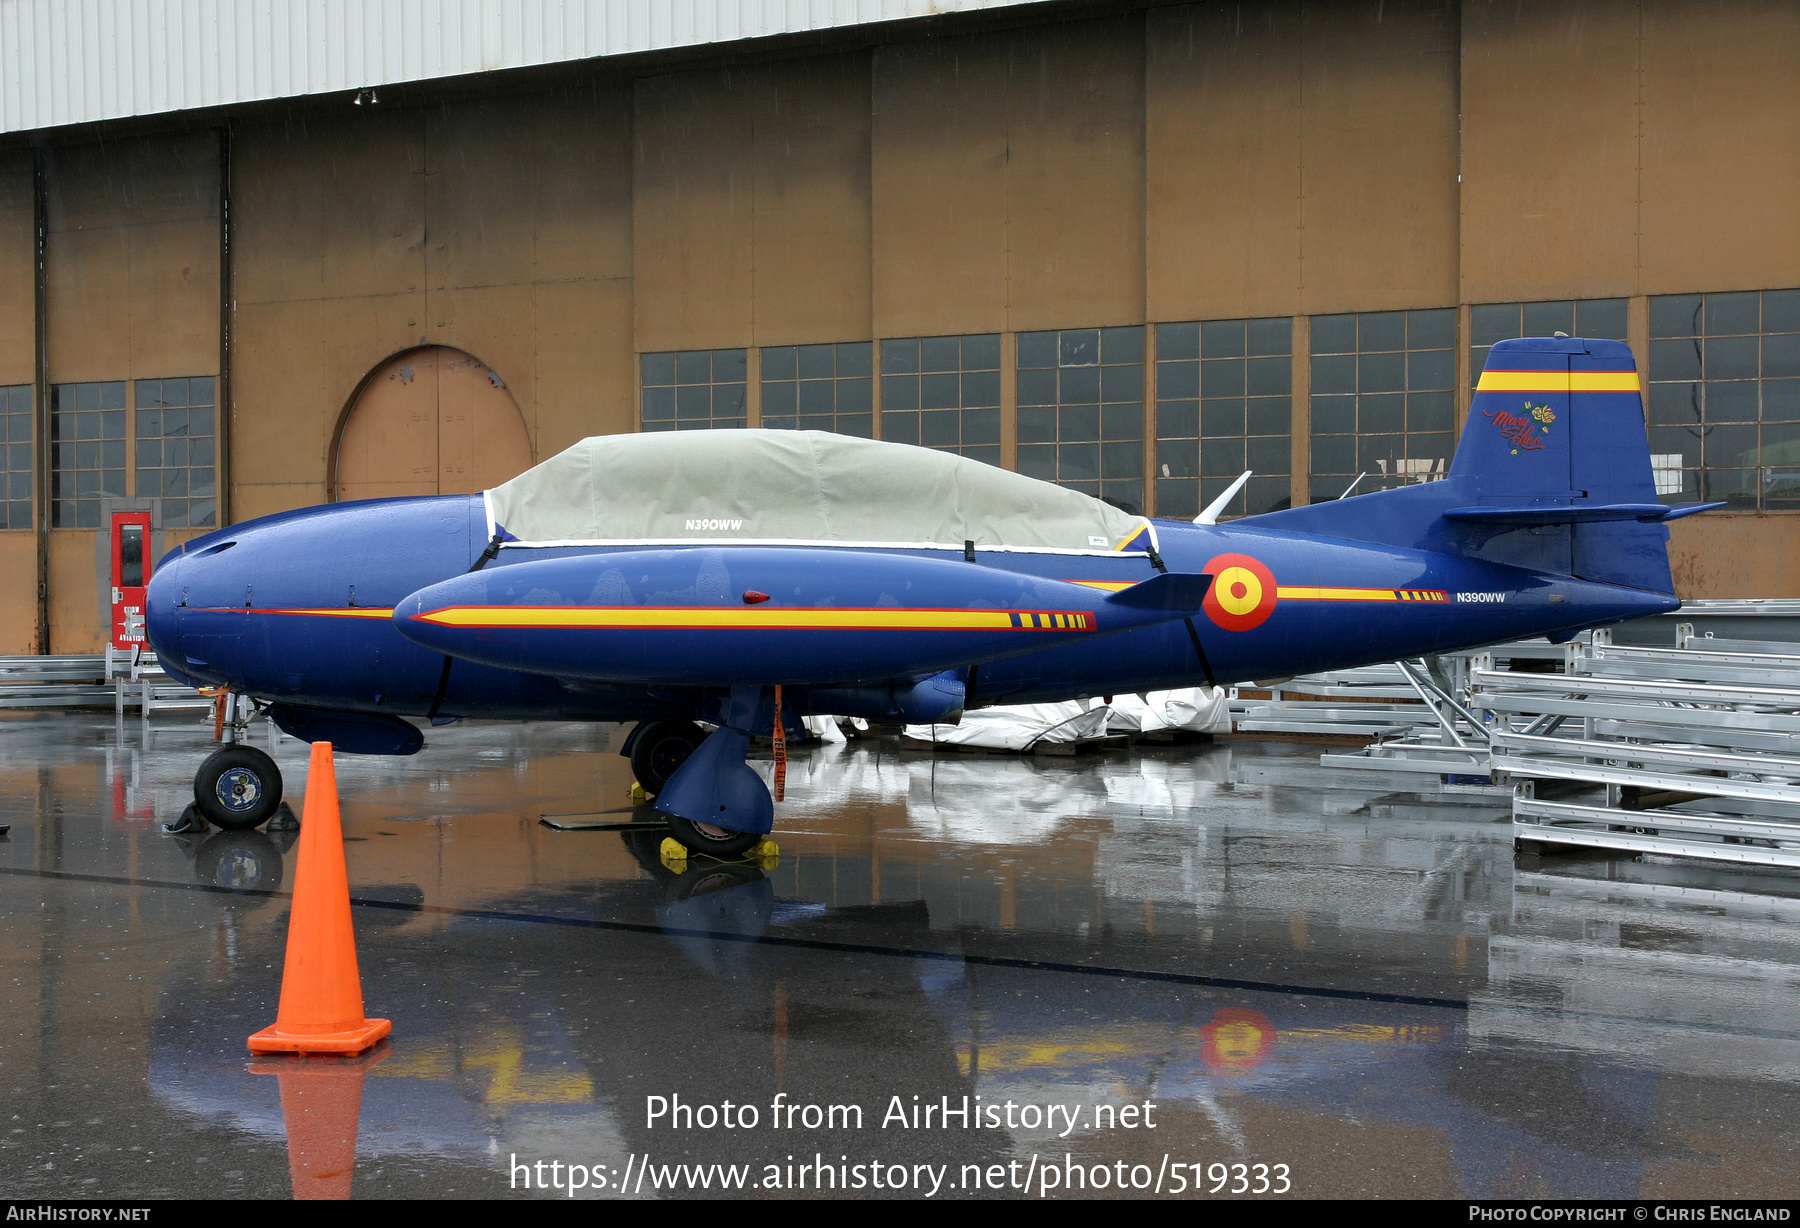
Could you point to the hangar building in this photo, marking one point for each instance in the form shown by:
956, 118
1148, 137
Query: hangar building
258, 255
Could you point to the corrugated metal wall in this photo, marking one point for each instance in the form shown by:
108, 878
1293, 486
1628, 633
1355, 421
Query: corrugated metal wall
77, 61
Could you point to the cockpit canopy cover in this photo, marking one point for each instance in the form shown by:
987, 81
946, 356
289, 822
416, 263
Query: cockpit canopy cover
790, 487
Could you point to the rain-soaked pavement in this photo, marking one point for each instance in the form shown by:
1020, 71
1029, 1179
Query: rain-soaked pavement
1363, 985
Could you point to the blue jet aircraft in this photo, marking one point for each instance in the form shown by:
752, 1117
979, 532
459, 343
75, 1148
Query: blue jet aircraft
744, 578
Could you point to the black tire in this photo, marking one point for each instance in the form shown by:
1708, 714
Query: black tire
731, 844
659, 748
237, 788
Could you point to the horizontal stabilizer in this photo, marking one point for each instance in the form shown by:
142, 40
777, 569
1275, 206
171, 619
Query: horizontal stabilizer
1172, 590
1576, 513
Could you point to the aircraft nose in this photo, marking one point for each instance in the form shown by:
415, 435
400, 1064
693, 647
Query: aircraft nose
162, 613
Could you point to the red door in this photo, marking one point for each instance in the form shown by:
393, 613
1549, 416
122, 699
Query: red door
130, 573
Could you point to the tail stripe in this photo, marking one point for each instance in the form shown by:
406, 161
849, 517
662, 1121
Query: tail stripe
1558, 381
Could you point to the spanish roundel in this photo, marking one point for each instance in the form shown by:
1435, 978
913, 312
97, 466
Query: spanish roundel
1242, 595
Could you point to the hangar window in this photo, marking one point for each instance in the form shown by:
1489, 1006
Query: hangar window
1724, 403
692, 390
1223, 405
15, 437
87, 451
1588, 317
819, 388
176, 458
1383, 400
944, 393
1081, 411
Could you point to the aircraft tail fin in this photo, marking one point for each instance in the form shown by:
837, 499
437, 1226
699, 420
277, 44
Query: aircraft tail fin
1552, 473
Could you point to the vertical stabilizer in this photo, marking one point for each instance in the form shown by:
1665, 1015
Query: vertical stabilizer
1552, 473
1559, 422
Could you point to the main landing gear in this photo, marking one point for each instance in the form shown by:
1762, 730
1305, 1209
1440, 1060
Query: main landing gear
715, 803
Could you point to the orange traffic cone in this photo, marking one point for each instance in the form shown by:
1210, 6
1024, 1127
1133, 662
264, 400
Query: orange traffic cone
321, 1102
321, 990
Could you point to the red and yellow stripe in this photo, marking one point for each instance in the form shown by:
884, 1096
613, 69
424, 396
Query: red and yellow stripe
328, 612
755, 619
1558, 381
1309, 592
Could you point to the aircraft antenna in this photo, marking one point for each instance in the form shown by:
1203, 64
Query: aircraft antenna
1217, 506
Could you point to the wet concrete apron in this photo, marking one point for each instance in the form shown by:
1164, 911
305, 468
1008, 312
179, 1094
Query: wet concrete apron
1365, 986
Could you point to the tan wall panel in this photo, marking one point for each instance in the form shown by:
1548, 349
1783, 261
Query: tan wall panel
138, 181
938, 174
75, 622
586, 377
1720, 555
1549, 202
691, 210
478, 193
173, 306
1379, 145
1721, 145
18, 326
252, 499
582, 173
1222, 160
18, 594
496, 325
297, 364
332, 208
1075, 176
89, 307
810, 201
133, 254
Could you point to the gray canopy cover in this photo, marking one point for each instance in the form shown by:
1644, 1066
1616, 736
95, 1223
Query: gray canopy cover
793, 486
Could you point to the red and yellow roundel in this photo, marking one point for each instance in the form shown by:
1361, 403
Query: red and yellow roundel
1242, 595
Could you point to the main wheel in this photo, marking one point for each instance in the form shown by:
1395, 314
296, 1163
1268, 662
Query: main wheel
720, 842
660, 748
237, 788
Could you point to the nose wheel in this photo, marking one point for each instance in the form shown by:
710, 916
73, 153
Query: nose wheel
237, 788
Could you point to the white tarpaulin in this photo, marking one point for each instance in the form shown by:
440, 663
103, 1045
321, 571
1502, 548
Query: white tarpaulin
1018, 726
790, 487
1197, 709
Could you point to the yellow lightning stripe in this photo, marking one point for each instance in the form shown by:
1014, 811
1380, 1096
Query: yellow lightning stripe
1558, 381
1110, 586
752, 619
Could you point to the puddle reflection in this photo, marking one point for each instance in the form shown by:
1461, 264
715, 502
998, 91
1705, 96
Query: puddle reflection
1364, 987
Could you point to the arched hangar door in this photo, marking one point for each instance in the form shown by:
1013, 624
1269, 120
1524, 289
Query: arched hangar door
432, 421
